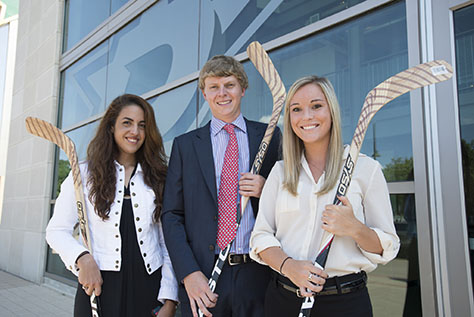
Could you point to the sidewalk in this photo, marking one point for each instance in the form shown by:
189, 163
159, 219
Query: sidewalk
19, 297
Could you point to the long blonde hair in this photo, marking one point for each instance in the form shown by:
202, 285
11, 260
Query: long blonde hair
293, 146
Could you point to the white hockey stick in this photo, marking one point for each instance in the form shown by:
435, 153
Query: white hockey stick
51, 133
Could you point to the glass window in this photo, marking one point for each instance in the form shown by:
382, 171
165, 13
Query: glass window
351, 56
55, 266
83, 16
175, 112
81, 138
464, 36
116, 4
145, 55
395, 288
228, 27
83, 87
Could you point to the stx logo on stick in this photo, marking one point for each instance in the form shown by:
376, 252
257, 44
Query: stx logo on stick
257, 163
346, 176
217, 270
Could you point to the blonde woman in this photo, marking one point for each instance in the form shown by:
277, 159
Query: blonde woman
296, 210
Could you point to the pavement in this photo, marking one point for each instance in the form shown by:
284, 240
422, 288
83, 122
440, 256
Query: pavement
19, 297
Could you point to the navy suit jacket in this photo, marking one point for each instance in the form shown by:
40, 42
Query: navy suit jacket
190, 211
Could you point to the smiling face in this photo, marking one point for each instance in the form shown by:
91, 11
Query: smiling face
223, 95
310, 116
129, 132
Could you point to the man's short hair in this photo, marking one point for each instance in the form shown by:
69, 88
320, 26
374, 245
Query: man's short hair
223, 66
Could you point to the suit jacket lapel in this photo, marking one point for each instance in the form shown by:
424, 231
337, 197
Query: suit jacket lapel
255, 135
203, 149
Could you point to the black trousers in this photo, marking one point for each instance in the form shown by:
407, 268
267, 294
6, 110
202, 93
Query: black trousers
280, 302
241, 289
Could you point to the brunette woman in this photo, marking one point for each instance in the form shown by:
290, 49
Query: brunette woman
296, 210
123, 177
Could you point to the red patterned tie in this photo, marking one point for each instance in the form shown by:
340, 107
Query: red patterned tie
227, 200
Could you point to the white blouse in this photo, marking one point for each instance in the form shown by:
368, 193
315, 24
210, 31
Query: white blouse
105, 234
294, 222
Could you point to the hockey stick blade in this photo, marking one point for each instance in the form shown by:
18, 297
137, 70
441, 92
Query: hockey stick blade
415, 77
265, 67
51, 133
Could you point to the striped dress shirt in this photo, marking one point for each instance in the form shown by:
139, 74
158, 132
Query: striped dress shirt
219, 139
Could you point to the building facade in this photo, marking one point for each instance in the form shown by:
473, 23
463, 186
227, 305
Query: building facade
73, 57
8, 36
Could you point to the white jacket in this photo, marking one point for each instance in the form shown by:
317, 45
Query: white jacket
105, 235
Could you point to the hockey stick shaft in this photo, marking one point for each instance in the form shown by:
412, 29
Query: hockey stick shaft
415, 77
265, 67
51, 133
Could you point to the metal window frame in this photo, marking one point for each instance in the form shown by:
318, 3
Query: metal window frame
438, 182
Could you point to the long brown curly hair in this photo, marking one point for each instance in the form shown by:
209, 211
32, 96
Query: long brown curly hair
103, 150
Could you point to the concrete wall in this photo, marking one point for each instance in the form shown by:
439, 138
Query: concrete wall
28, 181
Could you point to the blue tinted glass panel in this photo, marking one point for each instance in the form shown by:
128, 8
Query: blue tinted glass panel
227, 27
81, 138
394, 288
146, 54
83, 87
351, 56
116, 4
82, 16
55, 266
464, 34
175, 112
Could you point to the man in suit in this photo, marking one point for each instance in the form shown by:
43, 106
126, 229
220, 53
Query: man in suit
203, 187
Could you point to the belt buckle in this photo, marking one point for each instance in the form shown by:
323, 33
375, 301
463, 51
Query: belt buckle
298, 293
229, 260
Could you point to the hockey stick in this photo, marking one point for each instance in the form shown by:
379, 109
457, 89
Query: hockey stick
51, 133
265, 67
395, 86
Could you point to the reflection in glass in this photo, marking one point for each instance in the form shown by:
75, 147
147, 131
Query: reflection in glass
83, 16
144, 55
175, 112
229, 26
116, 4
395, 288
55, 266
83, 87
81, 138
351, 56
464, 35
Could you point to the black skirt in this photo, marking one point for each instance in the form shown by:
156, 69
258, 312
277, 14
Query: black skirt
131, 291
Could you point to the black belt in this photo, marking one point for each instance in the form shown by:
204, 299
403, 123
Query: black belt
234, 259
336, 285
